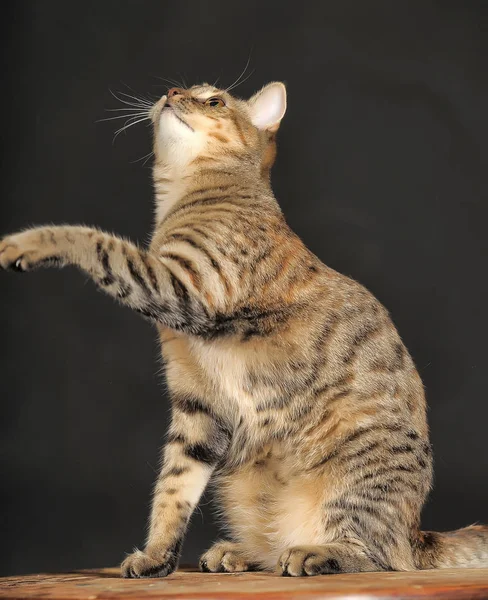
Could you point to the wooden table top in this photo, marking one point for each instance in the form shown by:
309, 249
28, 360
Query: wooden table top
190, 584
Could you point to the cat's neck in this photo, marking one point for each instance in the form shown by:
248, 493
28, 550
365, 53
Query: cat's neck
172, 183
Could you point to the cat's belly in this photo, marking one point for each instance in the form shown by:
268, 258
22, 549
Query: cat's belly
268, 504
270, 508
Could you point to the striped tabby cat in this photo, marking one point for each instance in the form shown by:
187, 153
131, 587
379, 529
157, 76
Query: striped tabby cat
290, 385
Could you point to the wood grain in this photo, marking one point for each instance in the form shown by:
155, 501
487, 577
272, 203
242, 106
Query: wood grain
190, 584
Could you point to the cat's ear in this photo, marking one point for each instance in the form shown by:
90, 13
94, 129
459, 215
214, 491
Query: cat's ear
267, 107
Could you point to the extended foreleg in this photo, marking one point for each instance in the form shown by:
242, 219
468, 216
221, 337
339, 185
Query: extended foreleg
121, 269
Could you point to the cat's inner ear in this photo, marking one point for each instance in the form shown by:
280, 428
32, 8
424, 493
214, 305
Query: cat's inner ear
267, 107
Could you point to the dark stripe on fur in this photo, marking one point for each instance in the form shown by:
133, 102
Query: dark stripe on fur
186, 265
137, 277
202, 453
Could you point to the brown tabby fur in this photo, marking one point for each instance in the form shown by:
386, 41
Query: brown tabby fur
290, 385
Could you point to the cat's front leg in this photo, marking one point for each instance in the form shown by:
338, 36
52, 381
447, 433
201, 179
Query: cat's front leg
197, 441
176, 296
118, 267
32, 248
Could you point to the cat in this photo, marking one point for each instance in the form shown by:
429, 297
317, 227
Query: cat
290, 386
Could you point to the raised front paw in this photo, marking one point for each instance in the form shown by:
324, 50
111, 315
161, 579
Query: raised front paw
224, 557
148, 564
27, 250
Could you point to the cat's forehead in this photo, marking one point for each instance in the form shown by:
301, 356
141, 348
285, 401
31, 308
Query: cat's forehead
205, 91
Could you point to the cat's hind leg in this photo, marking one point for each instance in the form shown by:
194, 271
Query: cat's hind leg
337, 557
225, 557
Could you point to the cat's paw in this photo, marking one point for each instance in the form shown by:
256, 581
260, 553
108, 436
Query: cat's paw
145, 564
224, 557
301, 561
26, 250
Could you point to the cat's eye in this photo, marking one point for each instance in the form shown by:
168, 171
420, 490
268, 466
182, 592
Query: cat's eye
214, 102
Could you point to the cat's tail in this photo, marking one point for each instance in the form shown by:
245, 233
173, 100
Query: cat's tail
466, 548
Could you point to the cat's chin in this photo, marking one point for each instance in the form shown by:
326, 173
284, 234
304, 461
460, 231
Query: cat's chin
177, 143
170, 119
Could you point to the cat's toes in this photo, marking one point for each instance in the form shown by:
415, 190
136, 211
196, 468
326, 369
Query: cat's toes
223, 558
29, 249
140, 564
16, 254
291, 563
11, 256
301, 562
321, 565
233, 562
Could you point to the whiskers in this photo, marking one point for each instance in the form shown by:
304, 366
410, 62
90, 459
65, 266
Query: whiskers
145, 158
241, 79
173, 82
136, 110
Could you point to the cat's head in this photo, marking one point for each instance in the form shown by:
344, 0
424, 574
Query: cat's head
204, 124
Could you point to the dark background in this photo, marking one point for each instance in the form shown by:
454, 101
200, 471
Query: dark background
382, 170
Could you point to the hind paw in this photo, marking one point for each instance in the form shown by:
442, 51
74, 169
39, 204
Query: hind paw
225, 557
302, 561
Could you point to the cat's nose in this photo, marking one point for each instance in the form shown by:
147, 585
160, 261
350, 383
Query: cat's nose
175, 92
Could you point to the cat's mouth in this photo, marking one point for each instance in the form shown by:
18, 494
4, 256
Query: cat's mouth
168, 107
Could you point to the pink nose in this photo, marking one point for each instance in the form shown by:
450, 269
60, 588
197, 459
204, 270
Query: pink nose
175, 92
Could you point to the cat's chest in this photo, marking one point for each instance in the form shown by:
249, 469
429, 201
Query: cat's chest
224, 375
225, 366
224, 370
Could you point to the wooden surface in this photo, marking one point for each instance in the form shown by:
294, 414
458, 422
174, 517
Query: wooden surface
187, 583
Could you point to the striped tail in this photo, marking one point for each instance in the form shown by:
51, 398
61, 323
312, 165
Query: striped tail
466, 548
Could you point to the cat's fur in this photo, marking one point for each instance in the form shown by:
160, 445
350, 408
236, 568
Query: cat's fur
290, 385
